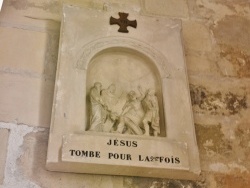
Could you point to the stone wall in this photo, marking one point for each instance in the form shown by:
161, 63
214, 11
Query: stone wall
217, 47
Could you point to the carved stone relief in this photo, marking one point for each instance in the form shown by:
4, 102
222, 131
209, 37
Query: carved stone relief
121, 103
123, 94
139, 114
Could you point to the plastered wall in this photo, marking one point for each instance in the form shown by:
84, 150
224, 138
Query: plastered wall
217, 48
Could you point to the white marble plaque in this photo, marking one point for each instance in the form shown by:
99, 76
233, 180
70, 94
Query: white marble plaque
122, 103
125, 151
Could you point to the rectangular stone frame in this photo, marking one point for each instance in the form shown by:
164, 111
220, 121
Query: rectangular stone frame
84, 33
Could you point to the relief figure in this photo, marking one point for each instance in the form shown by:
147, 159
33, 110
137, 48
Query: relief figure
138, 116
108, 97
98, 109
110, 100
151, 117
131, 116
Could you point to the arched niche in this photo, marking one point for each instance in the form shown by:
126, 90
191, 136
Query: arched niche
127, 69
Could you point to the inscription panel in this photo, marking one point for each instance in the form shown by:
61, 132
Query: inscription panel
125, 151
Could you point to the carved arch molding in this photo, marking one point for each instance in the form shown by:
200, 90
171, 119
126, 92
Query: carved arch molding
88, 51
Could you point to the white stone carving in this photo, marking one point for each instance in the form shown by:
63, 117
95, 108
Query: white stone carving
151, 117
100, 115
98, 108
138, 116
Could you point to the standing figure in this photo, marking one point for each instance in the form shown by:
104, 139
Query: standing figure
132, 115
108, 97
110, 100
151, 108
98, 109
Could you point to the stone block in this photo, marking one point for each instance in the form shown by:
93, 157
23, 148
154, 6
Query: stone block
4, 135
161, 183
218, 96
221, 114
171, 8
101, 4
30, 15
200, 63
25, 100
227, 68
24, 52
27, 10
208, 10
215, 10
234, 32
234, 62
196, 36
239, 180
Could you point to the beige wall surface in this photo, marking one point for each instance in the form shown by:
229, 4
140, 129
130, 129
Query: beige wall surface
217, 48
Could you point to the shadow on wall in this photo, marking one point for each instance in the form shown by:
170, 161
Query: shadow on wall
48, 83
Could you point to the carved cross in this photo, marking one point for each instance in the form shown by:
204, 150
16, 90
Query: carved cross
123, 22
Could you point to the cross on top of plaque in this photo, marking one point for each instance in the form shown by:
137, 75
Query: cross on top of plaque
123, 22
